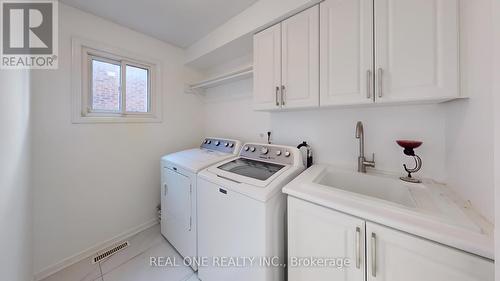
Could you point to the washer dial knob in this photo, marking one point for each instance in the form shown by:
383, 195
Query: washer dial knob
217, 143
278, 153
287, 154
226, 144
252, 149
231, 144
264, 150
246, 148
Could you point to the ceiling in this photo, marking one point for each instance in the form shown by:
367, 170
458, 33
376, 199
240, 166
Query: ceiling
178, 22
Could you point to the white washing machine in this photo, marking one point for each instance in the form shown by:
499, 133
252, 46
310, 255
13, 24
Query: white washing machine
178, 190
241, 214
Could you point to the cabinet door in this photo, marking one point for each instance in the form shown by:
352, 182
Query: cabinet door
394, 256
300, 58
267, 68
416, 45
346, 51
315, 231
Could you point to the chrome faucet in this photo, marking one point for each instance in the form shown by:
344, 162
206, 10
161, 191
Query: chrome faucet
362, 162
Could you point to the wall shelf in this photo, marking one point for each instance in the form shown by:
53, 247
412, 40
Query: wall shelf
199, 87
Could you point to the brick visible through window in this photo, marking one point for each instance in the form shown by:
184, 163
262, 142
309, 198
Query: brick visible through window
105, 86
110, 90
137, 99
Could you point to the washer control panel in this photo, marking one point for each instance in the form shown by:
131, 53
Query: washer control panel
223, 145
271, 153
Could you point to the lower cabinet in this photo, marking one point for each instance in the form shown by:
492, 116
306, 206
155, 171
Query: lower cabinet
316, 232
394, 256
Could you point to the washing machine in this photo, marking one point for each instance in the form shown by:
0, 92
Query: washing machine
241, 214
179, 189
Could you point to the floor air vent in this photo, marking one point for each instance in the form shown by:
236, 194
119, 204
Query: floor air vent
110, 252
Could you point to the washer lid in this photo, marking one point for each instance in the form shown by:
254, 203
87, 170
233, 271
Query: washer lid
251, 168
196, 159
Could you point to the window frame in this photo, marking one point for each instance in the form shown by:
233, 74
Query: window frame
84, 52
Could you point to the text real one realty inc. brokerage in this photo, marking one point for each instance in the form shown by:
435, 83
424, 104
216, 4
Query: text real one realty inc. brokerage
249, 262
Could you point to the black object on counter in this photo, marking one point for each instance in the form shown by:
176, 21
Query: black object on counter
309, 155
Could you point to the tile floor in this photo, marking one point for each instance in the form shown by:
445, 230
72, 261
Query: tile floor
131, 264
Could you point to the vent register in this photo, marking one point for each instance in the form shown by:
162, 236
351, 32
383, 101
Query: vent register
101, 256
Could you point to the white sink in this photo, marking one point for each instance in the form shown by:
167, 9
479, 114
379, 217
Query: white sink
385, 188
428, 209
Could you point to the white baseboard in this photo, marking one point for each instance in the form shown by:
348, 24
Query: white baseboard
92, 250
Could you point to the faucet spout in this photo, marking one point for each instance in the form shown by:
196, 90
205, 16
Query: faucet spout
359, 129
360, 134
362, 162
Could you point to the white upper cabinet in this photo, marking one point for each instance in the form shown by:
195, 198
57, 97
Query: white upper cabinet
286, 63
394, 256
370, 51
346, 51
300, 59
267, 68
415, 43
416, 47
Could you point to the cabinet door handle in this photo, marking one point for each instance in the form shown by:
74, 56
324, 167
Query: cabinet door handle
358, 247
380, 81
282, 95
164, 189
374, 255
277, 93
368, 84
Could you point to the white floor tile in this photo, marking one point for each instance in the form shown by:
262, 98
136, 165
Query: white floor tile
194, 277
139, 269
81, 271
139, 244
132, 263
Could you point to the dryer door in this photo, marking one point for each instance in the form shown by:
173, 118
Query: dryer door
178, 210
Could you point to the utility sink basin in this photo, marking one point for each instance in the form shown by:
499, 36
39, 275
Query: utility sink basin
385, 188
429, 209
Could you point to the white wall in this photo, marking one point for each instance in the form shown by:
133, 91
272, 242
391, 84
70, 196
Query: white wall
15, 187
95, 181
469, 134
229, 108
331, 131
259, 15
229, 113
496, 90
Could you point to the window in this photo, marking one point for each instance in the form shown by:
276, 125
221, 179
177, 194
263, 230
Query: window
118, 87
113, 86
